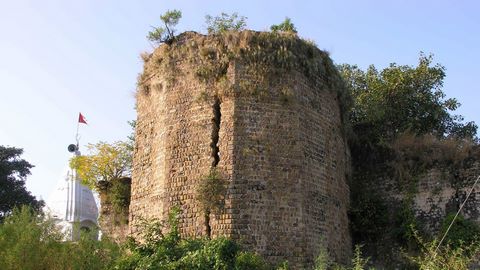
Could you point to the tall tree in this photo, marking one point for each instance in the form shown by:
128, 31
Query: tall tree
13, 172
403, 98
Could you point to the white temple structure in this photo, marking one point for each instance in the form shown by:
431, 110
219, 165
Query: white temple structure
73, 205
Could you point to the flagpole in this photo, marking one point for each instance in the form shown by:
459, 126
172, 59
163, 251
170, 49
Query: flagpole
76, 135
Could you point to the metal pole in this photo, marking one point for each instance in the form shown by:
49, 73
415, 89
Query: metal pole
456, 215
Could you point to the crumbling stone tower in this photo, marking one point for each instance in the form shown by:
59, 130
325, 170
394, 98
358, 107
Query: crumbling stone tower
265, 111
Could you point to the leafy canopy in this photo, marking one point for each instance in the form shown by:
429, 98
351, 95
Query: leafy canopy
166, 33
225, 22
403, 98
13, 172
285, 26
104, 163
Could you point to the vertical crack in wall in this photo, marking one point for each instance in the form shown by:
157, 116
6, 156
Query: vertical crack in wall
216, 120
216, 128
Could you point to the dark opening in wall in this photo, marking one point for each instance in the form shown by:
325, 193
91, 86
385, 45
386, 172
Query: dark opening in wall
216, 120
216, 128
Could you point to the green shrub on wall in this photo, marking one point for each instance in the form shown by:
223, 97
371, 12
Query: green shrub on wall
462, 232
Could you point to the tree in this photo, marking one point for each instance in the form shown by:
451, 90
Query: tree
225, 22
167, 32
397, 102
286, 26
13, 172
403, 98
105, 163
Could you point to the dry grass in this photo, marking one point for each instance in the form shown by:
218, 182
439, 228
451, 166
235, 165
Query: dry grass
414, 155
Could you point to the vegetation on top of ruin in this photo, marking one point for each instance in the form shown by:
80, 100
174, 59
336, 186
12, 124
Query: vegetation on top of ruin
263, 56
285, 26
225, 22
165, 33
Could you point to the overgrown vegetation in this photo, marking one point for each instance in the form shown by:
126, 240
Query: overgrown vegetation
433, 257
30, 241
211, 194
463, 232
286, 26
262, 55
402, 127
115, 197
225, 22
165, 249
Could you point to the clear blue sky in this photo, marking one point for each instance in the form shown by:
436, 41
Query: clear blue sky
60, 57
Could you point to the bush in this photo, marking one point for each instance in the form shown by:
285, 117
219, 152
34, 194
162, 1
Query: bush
211, 191
462, 232
446, 256
31, 241
165, 249
286, 26
225, 22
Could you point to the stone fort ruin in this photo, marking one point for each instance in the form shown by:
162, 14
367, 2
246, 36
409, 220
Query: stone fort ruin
264, 111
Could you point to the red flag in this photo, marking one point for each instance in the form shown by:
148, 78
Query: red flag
81, 119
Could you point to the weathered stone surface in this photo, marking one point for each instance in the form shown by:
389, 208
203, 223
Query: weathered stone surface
438, 192
282, 152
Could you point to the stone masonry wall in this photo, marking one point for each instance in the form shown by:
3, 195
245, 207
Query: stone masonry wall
282, 153
440, 192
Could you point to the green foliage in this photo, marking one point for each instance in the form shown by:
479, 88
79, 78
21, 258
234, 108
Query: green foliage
166, 33
405, 224
446, 256
358, 262
250, 261
120, 192
115, 193
323, 261
211, 191
402, 125
225, 22
29, 241
104, 163
131, 137
13, 172
463, 231
165, 249
286, 26
400, 99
